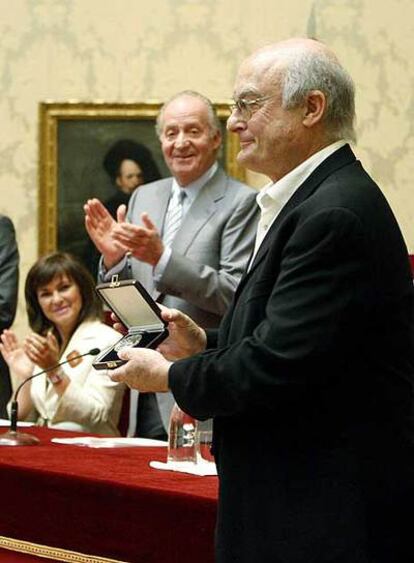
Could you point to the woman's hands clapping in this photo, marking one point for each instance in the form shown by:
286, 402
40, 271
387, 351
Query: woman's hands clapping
42, 350
15, 356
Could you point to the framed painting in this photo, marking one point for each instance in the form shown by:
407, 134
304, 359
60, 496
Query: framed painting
74, 139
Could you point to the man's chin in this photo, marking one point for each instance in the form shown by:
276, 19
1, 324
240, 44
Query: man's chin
247, 156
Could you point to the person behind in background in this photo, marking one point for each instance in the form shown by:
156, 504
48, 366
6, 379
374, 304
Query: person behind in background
65, 316
194, 263
129, 165
9, 284
310, 376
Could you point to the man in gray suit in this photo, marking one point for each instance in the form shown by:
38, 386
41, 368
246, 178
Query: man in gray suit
9, 281
198, 269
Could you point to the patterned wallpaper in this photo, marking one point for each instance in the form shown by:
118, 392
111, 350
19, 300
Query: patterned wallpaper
131, 50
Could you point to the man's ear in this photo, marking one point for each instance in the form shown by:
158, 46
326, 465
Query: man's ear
314, 109
216, 139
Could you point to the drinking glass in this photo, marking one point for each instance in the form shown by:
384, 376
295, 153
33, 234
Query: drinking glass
204, 437
182, 443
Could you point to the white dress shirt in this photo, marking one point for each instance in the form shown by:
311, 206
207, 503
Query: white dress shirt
191, 190
274, 196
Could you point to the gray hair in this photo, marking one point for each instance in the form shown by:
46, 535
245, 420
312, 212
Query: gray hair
213, 120
315, 70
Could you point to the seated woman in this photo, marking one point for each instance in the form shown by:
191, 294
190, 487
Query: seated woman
65, 316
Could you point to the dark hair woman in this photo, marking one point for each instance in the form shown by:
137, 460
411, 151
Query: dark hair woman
65, 317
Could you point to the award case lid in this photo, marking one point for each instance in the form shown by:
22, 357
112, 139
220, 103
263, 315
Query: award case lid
132, 304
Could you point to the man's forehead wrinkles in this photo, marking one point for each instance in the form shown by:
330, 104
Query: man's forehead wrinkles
246, 90
183, 123
185, 115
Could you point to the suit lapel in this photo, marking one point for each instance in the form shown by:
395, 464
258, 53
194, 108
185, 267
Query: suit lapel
161, 197
334, 162
201, 210
154, 200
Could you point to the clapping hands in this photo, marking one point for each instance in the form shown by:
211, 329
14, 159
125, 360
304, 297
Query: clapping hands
15, 356
101, 226
114, 239
42, 350
21, 358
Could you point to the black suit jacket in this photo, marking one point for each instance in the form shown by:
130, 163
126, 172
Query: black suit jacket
310, 382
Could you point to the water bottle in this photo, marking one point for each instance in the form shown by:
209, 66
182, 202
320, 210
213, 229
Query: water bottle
204, 438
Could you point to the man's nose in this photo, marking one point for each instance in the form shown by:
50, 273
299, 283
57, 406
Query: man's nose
234, 123
181, 140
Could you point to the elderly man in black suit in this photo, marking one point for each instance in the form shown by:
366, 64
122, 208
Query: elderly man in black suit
310, 375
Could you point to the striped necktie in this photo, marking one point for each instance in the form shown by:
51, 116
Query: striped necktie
173, 216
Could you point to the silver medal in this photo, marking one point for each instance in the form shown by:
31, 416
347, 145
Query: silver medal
131, 340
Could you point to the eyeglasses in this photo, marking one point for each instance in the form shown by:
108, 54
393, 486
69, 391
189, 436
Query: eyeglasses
247, 108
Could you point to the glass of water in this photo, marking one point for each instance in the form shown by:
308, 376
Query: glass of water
182, 443
204, 438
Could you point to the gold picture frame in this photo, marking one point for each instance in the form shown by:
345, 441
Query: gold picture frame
67, 132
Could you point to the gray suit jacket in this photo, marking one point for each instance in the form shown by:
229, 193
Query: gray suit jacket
209, 253
9, 280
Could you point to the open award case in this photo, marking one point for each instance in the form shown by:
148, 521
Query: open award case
136, 309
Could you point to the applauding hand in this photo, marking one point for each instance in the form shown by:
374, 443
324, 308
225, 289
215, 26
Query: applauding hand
15, 356
100, 227
42, 350
144, 242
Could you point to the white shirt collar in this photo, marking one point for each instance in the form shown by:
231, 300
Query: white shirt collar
193, 188
274, 196
278, 194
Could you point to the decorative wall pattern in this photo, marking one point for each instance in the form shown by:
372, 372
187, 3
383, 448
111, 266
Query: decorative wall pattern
131, 50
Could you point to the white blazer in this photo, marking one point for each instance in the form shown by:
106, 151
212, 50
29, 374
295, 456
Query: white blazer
91, 402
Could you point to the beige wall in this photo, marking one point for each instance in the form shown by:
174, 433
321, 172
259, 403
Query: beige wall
131, 50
